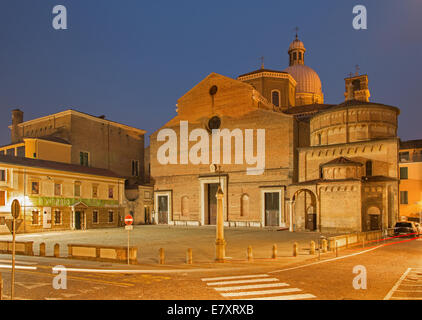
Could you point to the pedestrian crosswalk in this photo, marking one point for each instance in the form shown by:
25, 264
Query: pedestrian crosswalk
408, 287
255, 287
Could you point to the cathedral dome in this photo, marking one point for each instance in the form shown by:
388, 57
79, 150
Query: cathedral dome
308, 88
307, 79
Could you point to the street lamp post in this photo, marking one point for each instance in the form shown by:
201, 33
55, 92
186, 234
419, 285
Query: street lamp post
220, 243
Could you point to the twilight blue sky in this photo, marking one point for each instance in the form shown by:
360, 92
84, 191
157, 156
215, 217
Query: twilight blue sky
131, 60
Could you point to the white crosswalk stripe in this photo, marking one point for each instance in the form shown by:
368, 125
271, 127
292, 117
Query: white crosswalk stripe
408, 287
252, 286
219, 283
255, 287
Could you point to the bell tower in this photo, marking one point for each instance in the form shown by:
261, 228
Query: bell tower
357, 87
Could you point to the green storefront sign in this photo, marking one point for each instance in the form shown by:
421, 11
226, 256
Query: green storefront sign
67, 202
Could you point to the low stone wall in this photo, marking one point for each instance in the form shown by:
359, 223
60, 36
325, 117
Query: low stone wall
102, 253
352, 239
22, 247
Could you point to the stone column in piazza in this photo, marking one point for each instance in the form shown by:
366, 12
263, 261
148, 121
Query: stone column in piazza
220, 243
291, 226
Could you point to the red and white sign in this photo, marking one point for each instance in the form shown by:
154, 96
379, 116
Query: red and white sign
128, 220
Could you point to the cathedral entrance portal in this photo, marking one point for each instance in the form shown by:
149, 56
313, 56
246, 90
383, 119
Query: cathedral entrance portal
272, 208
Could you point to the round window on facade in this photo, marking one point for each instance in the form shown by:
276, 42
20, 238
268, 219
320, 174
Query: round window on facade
213, 90
214, 123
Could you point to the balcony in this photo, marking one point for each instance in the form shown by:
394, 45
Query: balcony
405, 158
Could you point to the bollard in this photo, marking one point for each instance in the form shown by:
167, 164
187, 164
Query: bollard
363, 242
336, 249
295, 249
324, 245
312, 249
274, 251
42, 249
189, 256
250, 254
57, 250
162, 256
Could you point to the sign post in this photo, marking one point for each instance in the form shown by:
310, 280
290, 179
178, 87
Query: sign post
15, 209
128, 227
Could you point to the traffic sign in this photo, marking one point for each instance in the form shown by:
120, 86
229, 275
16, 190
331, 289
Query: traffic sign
9, 224
128, 220
129, 227
16, 209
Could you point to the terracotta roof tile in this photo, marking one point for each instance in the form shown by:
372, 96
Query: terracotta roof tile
59, 166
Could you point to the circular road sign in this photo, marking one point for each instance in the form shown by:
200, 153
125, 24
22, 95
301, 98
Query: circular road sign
128, 220
16, 209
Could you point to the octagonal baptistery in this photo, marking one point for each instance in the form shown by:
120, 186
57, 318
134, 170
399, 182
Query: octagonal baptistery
354, 121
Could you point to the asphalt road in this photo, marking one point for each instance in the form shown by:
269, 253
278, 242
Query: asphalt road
393, 268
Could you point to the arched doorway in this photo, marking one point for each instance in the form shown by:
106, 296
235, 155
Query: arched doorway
373, 218
305, 209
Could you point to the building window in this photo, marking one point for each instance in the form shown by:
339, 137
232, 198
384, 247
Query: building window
135, 168
84, 158
368, 167
94, 191
356, 85
1, 152
57, 189
3, 175
403, 197
110, 216
77, 189
319, 140
403, 173
404, 156
2, 198
111, 192
275, 97
35, 217
35, 187
95, 216
20, 152
57, 217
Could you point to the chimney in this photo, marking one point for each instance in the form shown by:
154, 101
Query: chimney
17, 118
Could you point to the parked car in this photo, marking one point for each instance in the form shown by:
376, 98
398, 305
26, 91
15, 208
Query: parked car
406, 228
419, 227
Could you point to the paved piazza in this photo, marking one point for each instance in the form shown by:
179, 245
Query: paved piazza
176, 240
